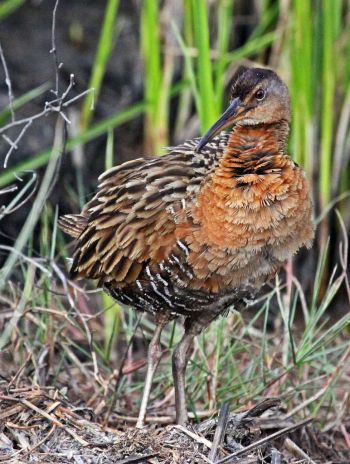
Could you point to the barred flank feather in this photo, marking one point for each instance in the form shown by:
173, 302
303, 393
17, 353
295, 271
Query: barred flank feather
73, 224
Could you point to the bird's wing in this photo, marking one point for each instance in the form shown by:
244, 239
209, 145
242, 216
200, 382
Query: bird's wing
132, 219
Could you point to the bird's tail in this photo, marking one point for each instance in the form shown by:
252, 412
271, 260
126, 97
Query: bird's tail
73, 224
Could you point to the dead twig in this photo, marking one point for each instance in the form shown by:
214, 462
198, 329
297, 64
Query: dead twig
53, 50
20, 199
52, 106
194, 436
8, 83
163, 420
297, 451
41, 442
220, 431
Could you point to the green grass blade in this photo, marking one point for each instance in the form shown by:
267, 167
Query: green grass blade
157, 80
113, 311
251, 47
209, 111
104, 49
185, 97
328, 88
302, 82
9, 6
150, 44
225, 19
189, 67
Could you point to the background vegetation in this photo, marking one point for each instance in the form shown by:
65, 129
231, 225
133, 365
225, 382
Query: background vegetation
185, 57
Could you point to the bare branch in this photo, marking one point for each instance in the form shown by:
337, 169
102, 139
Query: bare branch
56, 105
81, 95
14, 145
9, 189
21, 198
8, 83
53, 50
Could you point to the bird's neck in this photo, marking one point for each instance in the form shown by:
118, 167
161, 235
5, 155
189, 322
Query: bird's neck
263, 139
255, 150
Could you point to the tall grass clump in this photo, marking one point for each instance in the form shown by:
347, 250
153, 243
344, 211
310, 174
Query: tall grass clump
158, 76
303, 91
208, 61
318, 44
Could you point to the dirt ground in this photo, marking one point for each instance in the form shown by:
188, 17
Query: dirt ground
39, 425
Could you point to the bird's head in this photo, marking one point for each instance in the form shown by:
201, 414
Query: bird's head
258, 97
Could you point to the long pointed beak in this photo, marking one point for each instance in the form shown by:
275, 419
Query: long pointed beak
220, 124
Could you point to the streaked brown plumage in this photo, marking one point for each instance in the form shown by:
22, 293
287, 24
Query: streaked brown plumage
202, 228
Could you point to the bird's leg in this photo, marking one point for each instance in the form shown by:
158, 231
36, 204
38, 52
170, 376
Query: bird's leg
180, 359
153, 357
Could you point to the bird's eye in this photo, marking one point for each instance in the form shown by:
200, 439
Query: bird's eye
260, 94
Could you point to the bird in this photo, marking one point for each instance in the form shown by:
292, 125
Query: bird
199, 230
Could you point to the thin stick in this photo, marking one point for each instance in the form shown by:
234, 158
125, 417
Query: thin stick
8, 83
56, 105
41, 442
14, 145
220, 431
53, 47
163, 419
297, 451
194, 436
